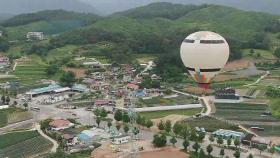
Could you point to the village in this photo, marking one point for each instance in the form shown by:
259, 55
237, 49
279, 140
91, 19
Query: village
111, 110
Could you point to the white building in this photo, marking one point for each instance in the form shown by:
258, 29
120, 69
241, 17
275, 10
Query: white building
1, 33
35, 35
121, 139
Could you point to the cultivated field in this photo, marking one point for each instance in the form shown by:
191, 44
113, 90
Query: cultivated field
13, 115
161, 114
249, 115
210, 124
160, 101
23, 144
243, 112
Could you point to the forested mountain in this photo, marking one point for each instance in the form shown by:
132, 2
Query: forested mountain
49, 22
157, 28
111, 6
50, 15
156, 21
27, 6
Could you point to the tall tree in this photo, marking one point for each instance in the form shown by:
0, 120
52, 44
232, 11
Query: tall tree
149, 123
196, 146
173, 140
118, 115
159, 140
3, 99
211, 138
220, 141
126, 128
161, 125
250, 156
236, 154
229, 142
68, 79
109, 124
168, 126
186, 144
209, 149
236, 142
177, 128
98, 121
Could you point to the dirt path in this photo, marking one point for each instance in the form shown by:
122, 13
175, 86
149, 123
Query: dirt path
55, 144
258, 80
14, 67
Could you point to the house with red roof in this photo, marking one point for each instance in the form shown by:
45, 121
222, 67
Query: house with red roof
132, 86
60, 124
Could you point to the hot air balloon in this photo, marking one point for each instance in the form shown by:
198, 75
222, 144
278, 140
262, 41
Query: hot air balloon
204, 54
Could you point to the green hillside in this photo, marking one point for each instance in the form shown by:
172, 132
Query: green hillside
171, 23
49, 22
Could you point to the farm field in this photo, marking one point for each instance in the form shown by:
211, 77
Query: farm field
161, 114
210, 124
28, 72
60, 53
26, 148
243, 112
156, 101
4, 116
249, 115
269, 130
13, 115
274, 104
16, 137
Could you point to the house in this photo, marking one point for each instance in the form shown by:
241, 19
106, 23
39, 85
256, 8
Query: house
80, 88
43, 90
127, 78
121, 139
4, 59
226, 93
140, 93
1, 33
60, 124
35, 35
101, 102
132, 86
93, 64
68, 137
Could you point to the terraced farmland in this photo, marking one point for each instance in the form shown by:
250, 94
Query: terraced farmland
250, 115
243, 112
210, 124
23, 144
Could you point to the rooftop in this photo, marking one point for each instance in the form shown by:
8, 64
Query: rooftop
59, 123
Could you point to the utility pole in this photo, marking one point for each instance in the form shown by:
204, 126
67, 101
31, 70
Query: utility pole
132, 117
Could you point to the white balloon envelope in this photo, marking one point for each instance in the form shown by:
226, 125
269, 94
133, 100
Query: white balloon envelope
204, 54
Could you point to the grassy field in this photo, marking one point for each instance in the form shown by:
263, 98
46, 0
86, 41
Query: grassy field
23, 144
243, 112
263, 53
13, 115
161, 114
275, 107
156, 101
60, 53
4, 116
210, 124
